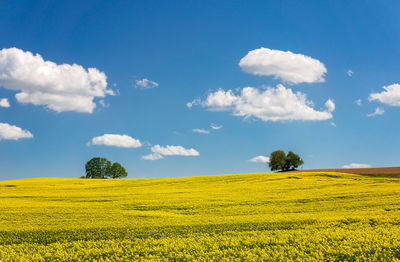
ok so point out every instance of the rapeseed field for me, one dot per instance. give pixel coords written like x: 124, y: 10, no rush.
x: 244, y: 217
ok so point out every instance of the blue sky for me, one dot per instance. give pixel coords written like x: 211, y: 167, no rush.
x: 269, y: 74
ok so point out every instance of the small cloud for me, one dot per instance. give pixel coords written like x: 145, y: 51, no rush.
x: 11, y: 132
x: 378, y: 111
x: 330, y: 105
x: 174, y: 151
x: 356, y: 165
x: 332, y: 124
x: 390, y: 96
x: 201, y: 131
x: 178, y: 133
x: 153, y: 156
x: 145, y: 84
x: 193, y: 103
x: 358, y: 102
x: 115, y: 140
x: 259, y: 159
x: 4, y: 102
x: 350, y: 73
x: 215, y: 127
x: 104, y: 104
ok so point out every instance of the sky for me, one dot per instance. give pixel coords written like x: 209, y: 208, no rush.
x: 189, y: 88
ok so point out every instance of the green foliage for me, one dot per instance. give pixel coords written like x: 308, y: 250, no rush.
x: 293, y: 161
x: 279, y: 161
x: 117, y: 171
x: 98, y: 167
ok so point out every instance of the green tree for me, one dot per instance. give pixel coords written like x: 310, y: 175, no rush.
x: 117, y: 171
x: 98, y: 167
x: 277, y: 160
x: 293, y: 161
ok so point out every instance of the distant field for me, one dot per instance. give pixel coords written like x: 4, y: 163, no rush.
x: 274, y: 217
x: 361, y: 171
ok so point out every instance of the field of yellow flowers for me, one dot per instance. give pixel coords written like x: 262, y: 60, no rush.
x: 278, y: 217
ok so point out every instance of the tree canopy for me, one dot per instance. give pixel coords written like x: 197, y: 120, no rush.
x: 278, y: 160
x: 100, y: 167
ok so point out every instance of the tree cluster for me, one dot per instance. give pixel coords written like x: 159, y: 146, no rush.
x: 100, y: 167
x: 278, y: 160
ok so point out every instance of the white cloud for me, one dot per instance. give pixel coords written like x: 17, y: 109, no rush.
x: 174, y: 151
x: 4, y: 102
x: 153, y: 156
x: 350, y: 72
x: 260, y: 159
x: 378, y: 111
x: 115, y: 140
x: 201, y: 131
x: 330, y: 105
x: 391, y: 95
x: 215, y: 127
x: 355, y: 165
x: 291, y: 68
x: 58, y: 87
x: 145, y: 84
x: 358, y: 102
x: 332, y: 124
x: 271, y: 104
x: 10, y: 132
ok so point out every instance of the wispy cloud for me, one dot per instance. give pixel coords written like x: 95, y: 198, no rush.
x: 145, y: 84
x: 378, y: 111
x: 201, y: 131
x: 215, y: 127
x: 356, y: 165
x: 350, y: 73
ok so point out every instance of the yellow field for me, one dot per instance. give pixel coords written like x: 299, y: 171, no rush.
x: 297, y: 216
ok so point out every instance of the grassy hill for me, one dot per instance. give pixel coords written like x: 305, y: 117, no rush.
x: 280, y: 216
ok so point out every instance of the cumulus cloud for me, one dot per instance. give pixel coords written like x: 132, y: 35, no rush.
x: 259, y: 159
x: 145, y: 84
x: 350, y: 73
x: 4, y: 102
x: 356, y: 165
x: 58, y: 87
x: 290, y: 67
x: 158, y: 152
x: 11, y: 132
x: 215, y: 127
x: 391, y: 95
x: 115, y: 140
x: 358, y: 102
x: 201, y: 131
x: 378, y: 111
x: 270, y: 104
x: 174, y: 151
